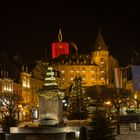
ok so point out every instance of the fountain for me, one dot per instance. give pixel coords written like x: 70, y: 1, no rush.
x: 50, y: 101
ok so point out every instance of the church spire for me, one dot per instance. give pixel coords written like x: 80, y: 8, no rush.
x: 100, y: 43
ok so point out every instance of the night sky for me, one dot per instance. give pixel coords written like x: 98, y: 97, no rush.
x: 28, y: 28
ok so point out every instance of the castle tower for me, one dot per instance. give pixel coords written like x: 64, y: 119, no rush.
x: 100, y: 56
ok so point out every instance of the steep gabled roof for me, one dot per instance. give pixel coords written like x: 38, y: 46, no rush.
x: 7, y: 65
x: 100, y: 43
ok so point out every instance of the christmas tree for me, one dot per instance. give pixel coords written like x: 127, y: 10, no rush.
x: 102, y: 128
x: 77, y: 105
x: 50, y: 85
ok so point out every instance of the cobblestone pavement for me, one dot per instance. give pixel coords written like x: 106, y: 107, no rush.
x: 126, y: 133
x: 130, y: 129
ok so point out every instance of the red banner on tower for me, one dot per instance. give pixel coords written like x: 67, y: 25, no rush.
x: 59, y: 48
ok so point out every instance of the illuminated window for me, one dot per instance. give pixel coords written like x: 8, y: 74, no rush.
x: 72, y: 76
x: 7, y: 86
x: 4, y: 87
x: 102, y: 71
x: 71, y: 79
x: 135, y: 96
x: 92, y: 69
x: 77, y: 69
x: 83, y: 69
x: 102, y: 61
x: 62, y: 70
x: 92, y: 77
x: 83, y: 77
x: 26, y: 82
x: 71, y: 69
x: 102, y: 78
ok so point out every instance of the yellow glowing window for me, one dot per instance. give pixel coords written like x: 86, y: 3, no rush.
x: 83, y: 69
x: 71, y: 78
x: 102, y: 71
x: 62, y: 71
x: 102, y: 78
x: 71, y: 69
x: 83, y: 77
x: 92, y: 69
x: 7, y: 86
x: 92, y: 77
x: 102, y: 62
x: 26, y: 82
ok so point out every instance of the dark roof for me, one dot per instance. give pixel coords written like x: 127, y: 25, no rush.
x: 6, y: 65
x: 11, y: 65
x: 77, y: 59
x: 100, y: 43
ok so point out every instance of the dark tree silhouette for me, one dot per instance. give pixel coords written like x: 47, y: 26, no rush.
x: 116, y: 96
x: 102, y: 127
